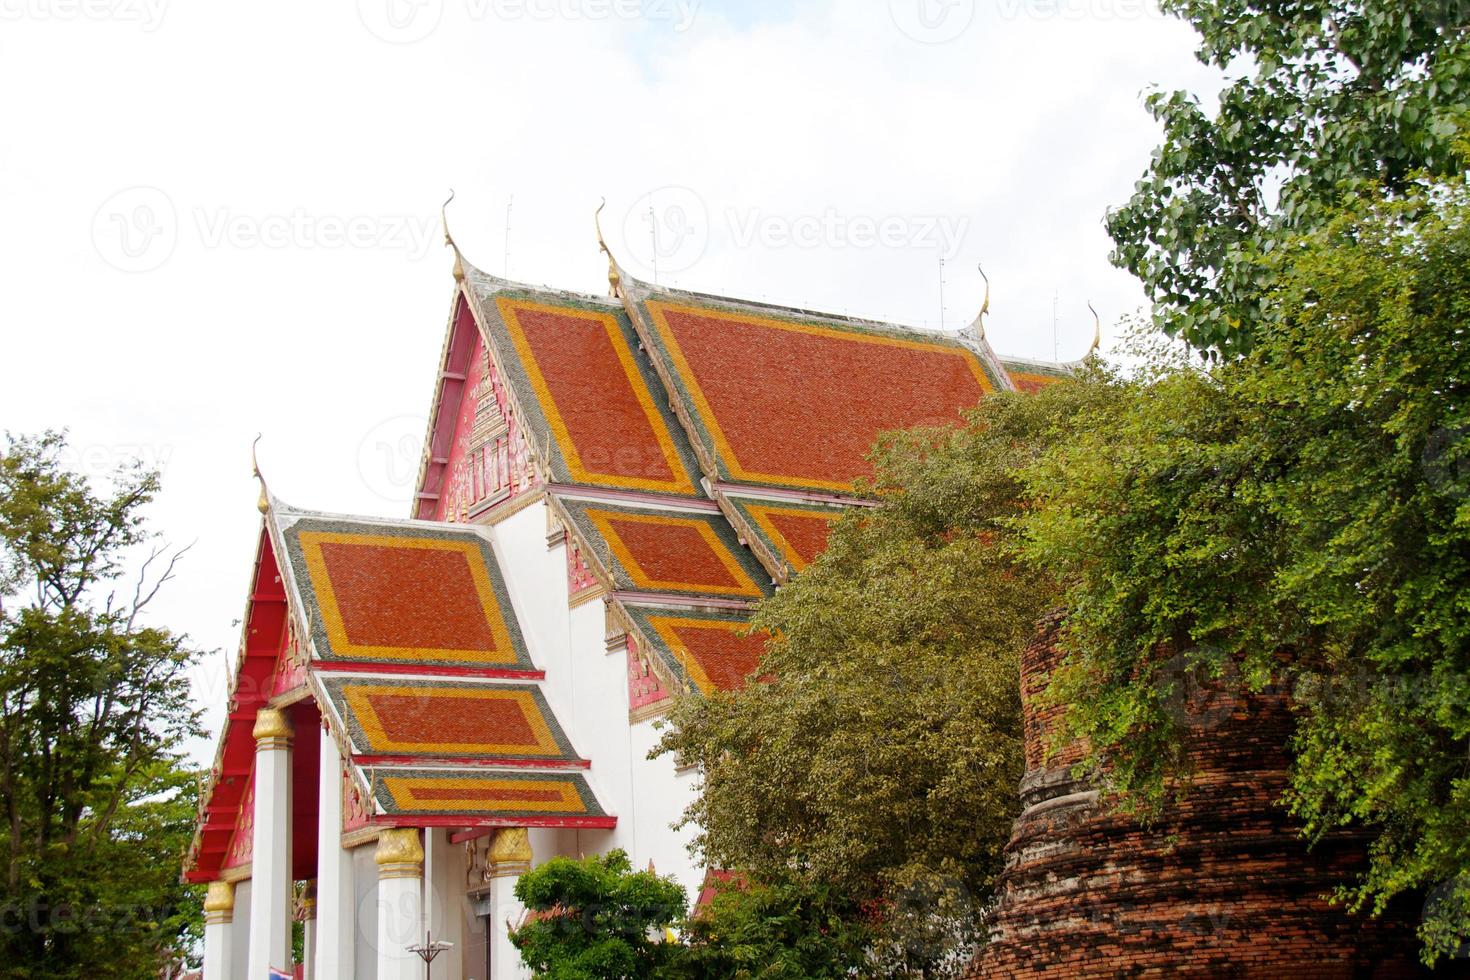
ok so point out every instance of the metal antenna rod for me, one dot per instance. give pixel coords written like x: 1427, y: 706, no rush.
x: 941, y: 290
x: 1055, y: 350
x: 653, y: 236
x: 505, y: 270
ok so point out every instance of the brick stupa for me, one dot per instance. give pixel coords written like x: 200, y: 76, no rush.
x: 1221, y: 886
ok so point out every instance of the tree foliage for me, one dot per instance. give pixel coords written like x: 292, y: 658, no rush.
x: 96, y: 805
x: 783, y: 931
x: 880, y: 752
x: 1325, y: 96
x: 1310, y: 500
x: 596, y: 919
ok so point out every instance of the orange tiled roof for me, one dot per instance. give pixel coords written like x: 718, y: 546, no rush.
x: 591, y: 401
x: 418, y: 660
x: 447, y: 719
x: 651, y: 549
x: 400, y: 593
x: 707, y: 649
x: 517, y: 799
x: 796, y: 400
x: 793, y: 532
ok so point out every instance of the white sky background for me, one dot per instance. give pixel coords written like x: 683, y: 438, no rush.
x: 177, y: 180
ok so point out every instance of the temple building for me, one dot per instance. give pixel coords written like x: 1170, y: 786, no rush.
x: 424, y: 709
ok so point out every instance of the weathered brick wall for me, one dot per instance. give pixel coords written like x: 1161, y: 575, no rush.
x: 1221, y: 886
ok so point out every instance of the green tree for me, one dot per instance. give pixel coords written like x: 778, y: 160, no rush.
x: 96, y: 802
x: 1323, y: 97
x: 880, y: 753
x: 595, y: 919
x: 1304, y: 512
x: 786, y: 931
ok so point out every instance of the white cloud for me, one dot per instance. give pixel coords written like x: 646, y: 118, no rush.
x: 281, y: 162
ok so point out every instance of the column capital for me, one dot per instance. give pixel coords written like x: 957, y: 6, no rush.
x: 219, y: 902
x: 399, y: 854
x: 272, y: 729
x: 510, y: 853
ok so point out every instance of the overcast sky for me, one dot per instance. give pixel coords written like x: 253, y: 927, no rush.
x: 222, y: 219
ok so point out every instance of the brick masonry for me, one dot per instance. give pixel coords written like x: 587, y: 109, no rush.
x: 1220, y: 886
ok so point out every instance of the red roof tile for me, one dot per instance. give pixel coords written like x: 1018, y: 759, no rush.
x: 798, y: 404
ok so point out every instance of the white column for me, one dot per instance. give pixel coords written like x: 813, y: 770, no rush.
x: 219, y: 912
x: 444, y: 889
x: 400, y: 859
x: 510, y: 857
x: 336, y: 903
x: 270, y: 862
x: 308, y: 931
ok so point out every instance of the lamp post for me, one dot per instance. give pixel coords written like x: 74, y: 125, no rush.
x: 429, y: 949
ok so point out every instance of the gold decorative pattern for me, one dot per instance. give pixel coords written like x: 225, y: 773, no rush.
x: 272, y: 729
x: 510, y: 853
x: 219, y: 903
x: 399, y: 854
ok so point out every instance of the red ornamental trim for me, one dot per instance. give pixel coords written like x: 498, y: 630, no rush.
x: 579, y: 576
x: 644, y: 687
x: 492, y: 465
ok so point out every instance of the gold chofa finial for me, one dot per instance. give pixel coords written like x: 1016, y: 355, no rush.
x: 614, y: 277
x: 263, y: 504
x: 984, y: 306
x: 1096, y: 330
x: 449, y: 239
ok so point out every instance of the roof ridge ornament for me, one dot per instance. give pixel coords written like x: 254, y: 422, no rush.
x: 449, y: 239
x: 984, y: 306
x: 614, y: 274
x: 1096, y: 332
x: 263, y: 503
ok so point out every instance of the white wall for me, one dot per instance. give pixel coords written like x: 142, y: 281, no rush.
x: 240, y: 933
x: 587, y: 687
x: 365, y: 880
